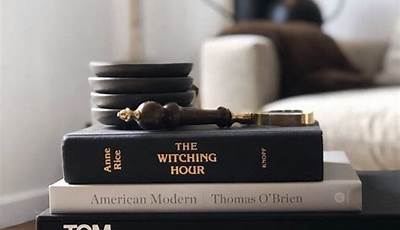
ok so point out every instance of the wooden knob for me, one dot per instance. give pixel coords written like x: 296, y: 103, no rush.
x: 151, y: 115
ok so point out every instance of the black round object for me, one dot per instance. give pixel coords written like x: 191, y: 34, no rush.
x: 109, y: 117
x: 278, y: 10
x: 134, y: 100
x: 294, y: 10
x: 140, y: 85
x: 118, y: 69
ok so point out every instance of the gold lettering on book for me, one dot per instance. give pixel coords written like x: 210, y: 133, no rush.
x: 117, y: 160
x: 112, y: 161
x: 183, y: 146
x: 107, y: 159
x: 183, y: 170
x: 264, y: 158
x: 186, y: 157
x: 182, y: 160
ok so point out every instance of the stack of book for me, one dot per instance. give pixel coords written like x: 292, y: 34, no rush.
x: 122, y: 179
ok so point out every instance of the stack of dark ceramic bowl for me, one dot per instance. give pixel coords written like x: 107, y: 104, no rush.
x: 120, y: 85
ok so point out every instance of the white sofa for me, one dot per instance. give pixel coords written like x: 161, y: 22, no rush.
x: 241, y: 72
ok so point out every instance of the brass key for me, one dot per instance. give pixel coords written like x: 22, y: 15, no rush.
x: 152, y: 115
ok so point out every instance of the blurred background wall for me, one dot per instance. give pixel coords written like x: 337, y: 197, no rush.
x: 361, y: 19
x: 174, y: 30
x: 45, y: 47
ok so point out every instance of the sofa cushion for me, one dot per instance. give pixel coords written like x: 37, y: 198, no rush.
x: 364, y: 123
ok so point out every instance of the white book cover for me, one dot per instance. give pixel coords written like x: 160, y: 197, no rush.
x: 339, y: 191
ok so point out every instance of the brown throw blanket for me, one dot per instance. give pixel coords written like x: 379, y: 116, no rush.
x: 310, y: 60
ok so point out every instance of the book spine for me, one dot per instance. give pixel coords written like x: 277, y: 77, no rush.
x: 237, y: 157
x: 232, y: 197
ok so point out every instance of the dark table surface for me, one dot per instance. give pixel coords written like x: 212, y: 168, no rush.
x: 381, y: 193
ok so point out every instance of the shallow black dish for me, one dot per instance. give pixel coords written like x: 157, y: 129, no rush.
x: 134, y: 100
x: 140, y: 85
x: 117, y: 69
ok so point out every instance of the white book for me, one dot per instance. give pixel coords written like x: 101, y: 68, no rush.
x: 339, y: 191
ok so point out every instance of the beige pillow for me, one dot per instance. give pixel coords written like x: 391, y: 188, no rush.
x: 391, y: 63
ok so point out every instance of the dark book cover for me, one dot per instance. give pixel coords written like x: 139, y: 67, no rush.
x: 202, y: 154
x: 201, y: 221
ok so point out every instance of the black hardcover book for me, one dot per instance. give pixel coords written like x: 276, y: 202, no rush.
x: 381, y: 210
x: 100, y: 155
